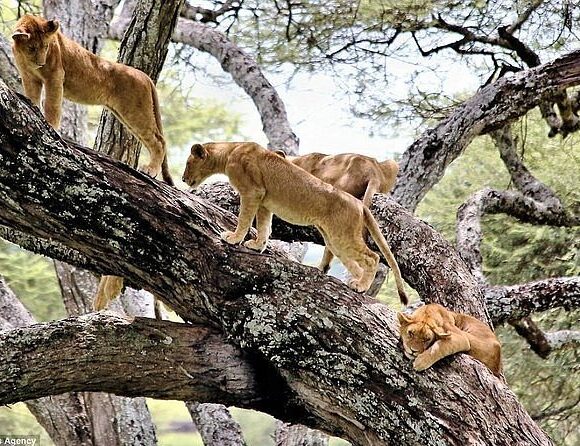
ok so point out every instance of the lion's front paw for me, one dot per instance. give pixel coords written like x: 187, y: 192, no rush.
x: 231, y: 237
x: 356, y: 285
x: 422, y: 362
x: 255, y: 245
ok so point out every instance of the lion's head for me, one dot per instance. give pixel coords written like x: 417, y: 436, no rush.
x: 32, y: 38
x: 199, y: 166
x: 421, y: 329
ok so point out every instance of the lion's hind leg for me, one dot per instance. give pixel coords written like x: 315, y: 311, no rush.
x: 109, y: 288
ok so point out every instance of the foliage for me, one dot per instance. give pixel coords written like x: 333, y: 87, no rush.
x: 33, y: 280
x: 17, y: 420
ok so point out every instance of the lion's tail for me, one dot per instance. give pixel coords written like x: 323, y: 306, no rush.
x: 164, y: 166
x: 377, y: 236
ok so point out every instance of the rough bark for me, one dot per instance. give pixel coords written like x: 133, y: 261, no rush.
x: 8, y: 71
x: 62, y: 416
x: 424, y: 162
x: 244, y: 71
x: 332, y: 354
x: 518, y: 301
x: 427, y: 261
x: 287, y: 435
x: 105, y: 352
x: 215, y: 424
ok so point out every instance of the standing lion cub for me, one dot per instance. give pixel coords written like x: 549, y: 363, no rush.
x: 359, y: 175
x: 433, y: 332
x: 47, y: 59
x: 269, y: 184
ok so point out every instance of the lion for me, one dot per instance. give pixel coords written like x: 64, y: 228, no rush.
x: 46, y: 59
x: 269, y: 184
x: 433, y: 332
x: 359, y: 175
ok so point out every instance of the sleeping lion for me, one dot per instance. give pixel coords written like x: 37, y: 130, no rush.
x: 433, y: 332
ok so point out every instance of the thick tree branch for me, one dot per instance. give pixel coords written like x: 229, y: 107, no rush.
x: 106, y: 353
x: 501, y: 102
x: 427, y: 261
x: 337, y: 351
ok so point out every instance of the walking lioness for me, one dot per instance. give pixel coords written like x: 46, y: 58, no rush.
x: 269, y: 184
x: 47, y: 59
x: 359, y: 175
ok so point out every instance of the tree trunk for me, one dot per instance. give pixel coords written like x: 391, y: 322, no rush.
x: 215, y: 424
x: 331, y: 356
x: 287, y: 435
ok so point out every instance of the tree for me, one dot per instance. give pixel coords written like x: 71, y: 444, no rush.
x: 264, y: 334
x: 287, y: 327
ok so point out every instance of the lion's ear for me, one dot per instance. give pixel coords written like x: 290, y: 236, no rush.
x: 20, y: 35
x: 51, y: 27
x: 404, y: 319
x: 440, y: 333
x: 198, y: 150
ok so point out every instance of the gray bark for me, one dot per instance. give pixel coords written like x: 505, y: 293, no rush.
x: 518, y: 301
x: 424, y: 162
x: 62, y: 416
x: 215, y: 424
x: 108, y: 353
x: 331, y: 358
x: 522, y: 178
x: 287, y: 435
x: 8, y: 71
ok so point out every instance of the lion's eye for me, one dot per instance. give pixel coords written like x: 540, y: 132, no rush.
x: 411, y: 334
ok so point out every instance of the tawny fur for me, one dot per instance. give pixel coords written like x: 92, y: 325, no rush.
x: 269, y: 184
x: 46, y: 59
x: 109, y: 288
x: 359, y: 175
x: 433, y: 332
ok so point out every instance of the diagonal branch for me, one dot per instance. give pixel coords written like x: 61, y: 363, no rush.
x: 522, y: 178
x: 425, y: 161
